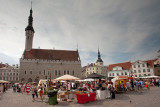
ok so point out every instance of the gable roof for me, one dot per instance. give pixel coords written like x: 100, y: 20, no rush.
x: 124, y: 65
x: 47, y: 54
x: 149, y: 63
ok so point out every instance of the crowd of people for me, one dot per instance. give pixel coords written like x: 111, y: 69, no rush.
x: 28, y: 88
x: 138, y: 84
x: 130, y: 85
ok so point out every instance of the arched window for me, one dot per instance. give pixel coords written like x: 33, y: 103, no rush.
x: 64, y: 72
x: 56, y: 72
x: 44, y: 72
x: 59, y: 72
x: 68, y: 72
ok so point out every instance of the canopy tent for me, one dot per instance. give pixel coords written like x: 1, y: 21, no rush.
x: 66, y: 78
x: 88, y: 79
x: 3, y: 81
x: 95, y: 76
x: 44, y: 81
x: 80, y: 80
x: 152, y: 76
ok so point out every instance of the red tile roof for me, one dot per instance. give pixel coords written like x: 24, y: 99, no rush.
x: 47, y: 54
x: 150, y: 62
x: 124, y: 65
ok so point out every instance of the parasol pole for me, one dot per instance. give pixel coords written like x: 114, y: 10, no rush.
x: 50, y: 81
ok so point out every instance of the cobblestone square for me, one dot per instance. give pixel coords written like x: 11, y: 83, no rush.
x: 147, y: 98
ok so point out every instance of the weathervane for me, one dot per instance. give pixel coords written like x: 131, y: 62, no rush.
x: 31, y: 4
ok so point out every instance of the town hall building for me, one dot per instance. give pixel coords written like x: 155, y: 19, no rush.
x: 36, y: 64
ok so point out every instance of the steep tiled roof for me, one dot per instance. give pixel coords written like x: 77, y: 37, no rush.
x: 124, y: 65
x: 47, y: 54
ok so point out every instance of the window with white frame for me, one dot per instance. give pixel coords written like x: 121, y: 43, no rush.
x: 117, y: 74
x: 143, y: 65
x: 121, y: 73
x: 139, y: 71
x: 112, y: 74
x: 144, y: 70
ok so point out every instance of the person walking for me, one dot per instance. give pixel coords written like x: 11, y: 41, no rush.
x: 139, y: 86
x: 22, y: 88
x: 36, y: 91
x: 122, y: 87
x: 148, y: 85
x: 135, y: 85
x: 157, y: 81
x: 33, y: 88
x: 28, y: 89
x: 14, y: 87
x: 40, y: 90
x: 153, y: 82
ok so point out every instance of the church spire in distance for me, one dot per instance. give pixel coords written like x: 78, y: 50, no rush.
x: 30, y: 21
x: 99, y: 56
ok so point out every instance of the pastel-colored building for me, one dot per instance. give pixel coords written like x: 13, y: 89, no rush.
x: 9, y: 72
x: 143, y: 68
x: 119, y: 69
x: 97, y: 67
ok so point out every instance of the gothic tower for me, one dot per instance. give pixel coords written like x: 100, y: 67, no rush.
x: 29, y: 32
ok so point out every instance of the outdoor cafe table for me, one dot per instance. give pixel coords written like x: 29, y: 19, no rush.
x: 83, y: 98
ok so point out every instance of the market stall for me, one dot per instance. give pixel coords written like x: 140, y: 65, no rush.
x: 68, y: 94
x: 85, y: 97
x: 100, y: 93
x: 117, y: 82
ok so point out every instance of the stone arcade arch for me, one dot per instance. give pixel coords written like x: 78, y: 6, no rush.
x: 22, y: 80
x: 36, y: 80
x: 29, y: 80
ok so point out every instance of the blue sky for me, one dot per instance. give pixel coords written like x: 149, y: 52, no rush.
x: 124, y: 30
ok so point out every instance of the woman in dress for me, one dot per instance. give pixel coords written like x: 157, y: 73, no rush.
x: 28, y: 89
x: 40, y: 90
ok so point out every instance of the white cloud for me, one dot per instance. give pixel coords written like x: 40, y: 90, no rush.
x: 116, y: 27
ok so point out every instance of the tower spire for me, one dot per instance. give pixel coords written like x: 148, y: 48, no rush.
x: 99, y: 56
x: 30, y: 21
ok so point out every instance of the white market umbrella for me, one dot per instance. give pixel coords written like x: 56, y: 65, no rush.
x: 66, y: 77
x: 80, y: 80
x: 152, y: 77
x: 88, y: 79
x: 2, y: 81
